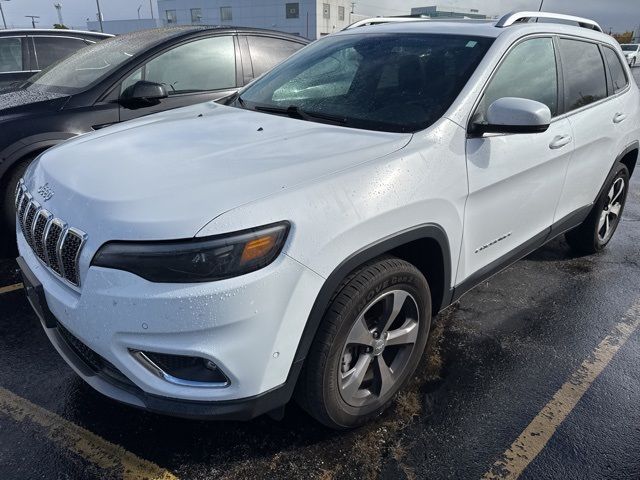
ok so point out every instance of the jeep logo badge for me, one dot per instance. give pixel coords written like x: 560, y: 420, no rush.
x: 46, y: 192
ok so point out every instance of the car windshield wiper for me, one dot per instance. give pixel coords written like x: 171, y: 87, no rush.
x: 296, y: 112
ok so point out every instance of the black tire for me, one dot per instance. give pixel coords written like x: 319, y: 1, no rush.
x: 9, y: 185
x: 589, y: 237
x: 319, y: 391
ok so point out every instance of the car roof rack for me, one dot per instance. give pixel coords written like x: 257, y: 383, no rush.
x: 378, y: 20
x: 522, y: 17
x: 401, y: 19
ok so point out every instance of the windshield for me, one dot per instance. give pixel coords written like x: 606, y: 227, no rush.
x: 629, y: 48
x: 387, y: 82
x: 90, y: 64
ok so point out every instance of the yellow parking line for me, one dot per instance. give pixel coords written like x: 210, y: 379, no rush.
x: 11, y: 288
x: 538, y: 433
x: 80, y: 441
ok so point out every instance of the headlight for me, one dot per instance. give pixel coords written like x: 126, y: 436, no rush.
x: 198, y: 259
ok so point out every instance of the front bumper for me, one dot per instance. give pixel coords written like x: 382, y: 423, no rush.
x: 247, y: 325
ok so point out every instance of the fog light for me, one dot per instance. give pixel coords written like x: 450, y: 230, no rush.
x: 183, y: 370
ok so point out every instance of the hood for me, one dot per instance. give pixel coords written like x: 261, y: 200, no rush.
x: 167, y: 175
x: 30, y: 100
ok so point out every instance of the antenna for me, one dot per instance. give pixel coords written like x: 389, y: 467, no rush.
x: 541, y: 5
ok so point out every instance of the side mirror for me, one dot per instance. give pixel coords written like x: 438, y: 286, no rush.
x: 143, y: 93
x: 515, y: 115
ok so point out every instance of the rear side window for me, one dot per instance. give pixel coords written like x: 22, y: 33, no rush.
x: 10, y: 55
x: 529, y: 71
x: 51, y: 49
x: 267, y: 52
x: 618, y: 75
x: 584, y: 73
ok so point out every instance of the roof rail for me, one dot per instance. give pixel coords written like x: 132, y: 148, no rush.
x: 379, y: 20
x: 519, y: 17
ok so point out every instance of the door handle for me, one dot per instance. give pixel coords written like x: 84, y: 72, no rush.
x: 560, y: 141
x: 619, y: 117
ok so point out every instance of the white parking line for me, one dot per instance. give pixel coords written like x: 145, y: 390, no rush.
x: 536, y: 436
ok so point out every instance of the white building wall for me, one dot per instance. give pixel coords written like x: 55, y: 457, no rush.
x: 269, y: 14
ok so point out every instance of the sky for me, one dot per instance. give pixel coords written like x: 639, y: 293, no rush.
x: 617, y: 15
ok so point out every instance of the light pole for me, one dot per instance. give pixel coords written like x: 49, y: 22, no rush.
x: 100, y: 16
x: 151, y: 8
x: 58, y: 8
x: 4, y: 21
x: 33, y: 19
x: 139, y: 7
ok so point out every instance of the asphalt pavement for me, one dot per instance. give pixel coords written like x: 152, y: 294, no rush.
x: 534, y: 374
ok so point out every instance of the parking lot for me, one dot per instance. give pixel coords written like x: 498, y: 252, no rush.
x: 534, y: 374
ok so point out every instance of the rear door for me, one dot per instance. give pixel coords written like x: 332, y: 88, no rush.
x: 193, y: 72
x: 515, y: 180
x: 264, y: 53
x: 597, y: 115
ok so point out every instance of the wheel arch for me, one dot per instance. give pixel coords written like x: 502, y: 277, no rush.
x: 425, y: 246
x: 629, y: 157
x: 23, y: 149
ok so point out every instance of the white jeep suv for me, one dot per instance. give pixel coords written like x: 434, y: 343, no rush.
x: 632, y: 52
x: 217, y: 260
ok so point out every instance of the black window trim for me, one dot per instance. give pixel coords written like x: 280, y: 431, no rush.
x: 559, y: 76
x: 608, y: 97
x: 560, y: 68
x: 604, y: 46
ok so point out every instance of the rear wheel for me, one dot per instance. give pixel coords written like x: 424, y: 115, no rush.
x: 369, y: 343
x: 597, y: 230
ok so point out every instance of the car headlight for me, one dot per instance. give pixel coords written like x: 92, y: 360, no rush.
x: 198, y: 259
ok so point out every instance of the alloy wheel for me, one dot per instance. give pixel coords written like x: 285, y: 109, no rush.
x: 378, y: 348
x: 610, y: 216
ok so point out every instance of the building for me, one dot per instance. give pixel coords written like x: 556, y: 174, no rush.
x: 307, y: 18
x: 118, y: 27
x: 439, y: 11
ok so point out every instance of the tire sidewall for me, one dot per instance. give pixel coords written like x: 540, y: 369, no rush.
x: 340, y: 412
x: 620, y: 171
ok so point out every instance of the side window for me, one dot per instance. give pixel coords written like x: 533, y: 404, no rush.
x: 584, y: 74
x: 199, y: 66
x: 618, y: 75
x: 529, y: 71
x: 10, y: 55
x: 49, y: 50
x: 267, y: 52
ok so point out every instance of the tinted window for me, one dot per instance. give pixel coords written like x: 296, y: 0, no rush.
x: 267, y: 52
x: 396, y: 83
x: 529, y: 71
x: 630, y: 48
x: 584, y: 73
x: 51, y: 49
x: 10, y: 54
x: 203, y: 65
x: 618, y: 75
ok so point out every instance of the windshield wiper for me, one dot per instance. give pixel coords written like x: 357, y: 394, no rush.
x: 296, y: 112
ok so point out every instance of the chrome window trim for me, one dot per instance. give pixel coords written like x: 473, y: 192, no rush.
x: 152, y: 367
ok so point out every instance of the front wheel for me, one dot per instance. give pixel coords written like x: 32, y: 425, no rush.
x: 369, y: 343
x: 597, y: 230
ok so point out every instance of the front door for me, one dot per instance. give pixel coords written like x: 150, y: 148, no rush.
x: 515, y: 180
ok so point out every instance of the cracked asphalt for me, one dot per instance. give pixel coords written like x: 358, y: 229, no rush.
x: 494, y: 361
